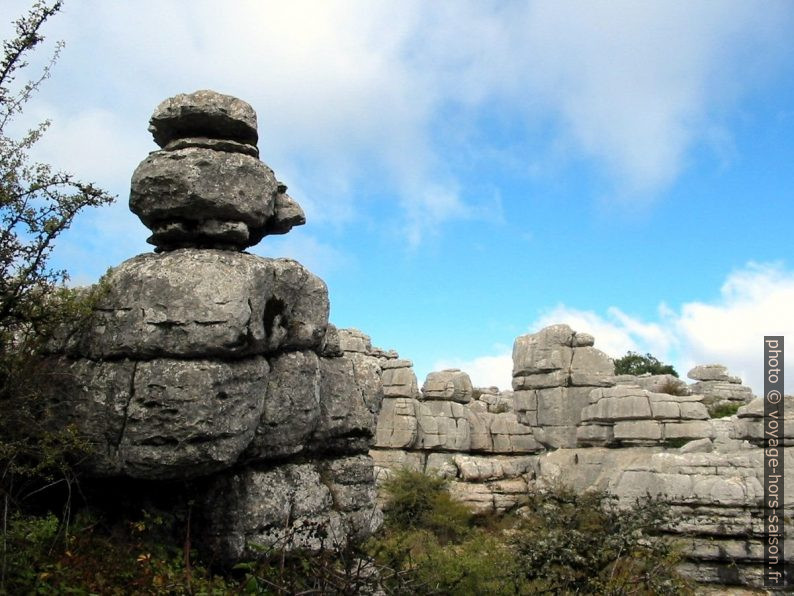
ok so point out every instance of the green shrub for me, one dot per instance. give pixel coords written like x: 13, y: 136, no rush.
x: 671, y: 387
x: 416, y: 500
x: 724, y: 410
x: 139, y: 556
x: 573, y: 542
x: 637, y: 364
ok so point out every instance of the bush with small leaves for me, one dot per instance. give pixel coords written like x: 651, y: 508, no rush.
x: 583, y: 542
x: 723, y: 410
x: 637, y: 364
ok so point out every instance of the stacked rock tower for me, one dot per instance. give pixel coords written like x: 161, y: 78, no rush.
x: 209, y: 364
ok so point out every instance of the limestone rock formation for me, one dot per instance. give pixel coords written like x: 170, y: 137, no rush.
x: 570, y: 421
x: 204, y: 363
x: 718, y: 387
x: 629, y: 415
x: 554, y: 371
x: 748, y: 424
x: 207, y: 188
x: 656, y: 383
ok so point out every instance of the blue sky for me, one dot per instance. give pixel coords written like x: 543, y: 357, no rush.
x: 473, y: 171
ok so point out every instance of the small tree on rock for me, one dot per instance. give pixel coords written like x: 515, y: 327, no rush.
x: 637, y: 364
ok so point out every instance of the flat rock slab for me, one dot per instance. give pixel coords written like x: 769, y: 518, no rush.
x: 203, y: 113
x: 195, y: 303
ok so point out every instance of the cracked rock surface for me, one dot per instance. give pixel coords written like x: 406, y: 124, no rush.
x: 206, y: 370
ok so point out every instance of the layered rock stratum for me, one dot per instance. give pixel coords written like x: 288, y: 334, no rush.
x: 570, y: 420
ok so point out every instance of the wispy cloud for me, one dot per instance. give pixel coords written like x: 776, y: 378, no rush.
x: 493, y: 370
x: 348, y: 89
x: 754, y: 301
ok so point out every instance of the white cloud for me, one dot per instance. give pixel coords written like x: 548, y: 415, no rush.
x: 755, y: 301
x: 346, y: 90
x: 485, y: 371
x: 616, y: 333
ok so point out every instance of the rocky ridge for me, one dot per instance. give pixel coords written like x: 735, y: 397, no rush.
x: 569, y: 419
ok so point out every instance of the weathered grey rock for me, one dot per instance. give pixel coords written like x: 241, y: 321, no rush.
x: 599, y: 435
x: 486, y: 468
x: 203, y: 113
x: 543, y: 352
x: 640, y: 417
x: 451, y: 384
x: 552, y: 410
x: 497, y: 403
x: 186, y: 196
x: 510, y: 436
x: 556, y: 437
x: 388, y: 460
x: 638, y: 431
x: 353, y: 340
x: 591, y: 368
x: 497, y: 496
x: 525, y: 404
x: 588, y: 468
x: 451, y: 421
x: 748, y: 425
x: 617, y: 404
x: 350, y: 397
x: 582, y: 340
x: 214, y: 144
x: 287, y: 214
x: 397, y: 425
x: 479, y: 427
x: 716, y: 392
x: 291, y: 410
x: 557, y: 378
x: 199, y: 303
x: 712, y: 372
x: 163, y: 418
x: 330, y: 347
x: 714, y: 479
x: 698, y: 446
x: 206, y: 364
x: 318, y: 505
x: 655, y: 383
x: 399, y: 379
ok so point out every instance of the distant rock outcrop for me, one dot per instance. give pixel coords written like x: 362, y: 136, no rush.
x: 570, y: 420
x: 718, y: 387
x: 205, y: 363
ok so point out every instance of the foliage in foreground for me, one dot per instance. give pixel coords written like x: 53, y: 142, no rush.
x: 571, y: 542
x: 637, y: 364
x: 37, y: 204
x: 562, y: 543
